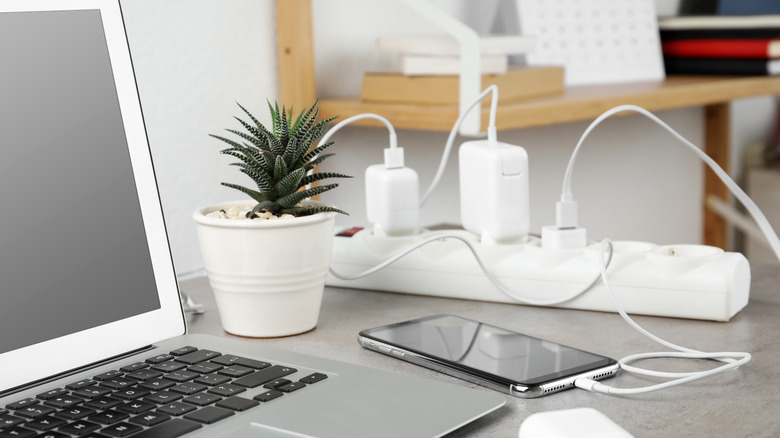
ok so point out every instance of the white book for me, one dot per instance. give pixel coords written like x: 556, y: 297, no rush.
x: 442, y: 45
x: 418, y: 65
x: 719, y: 22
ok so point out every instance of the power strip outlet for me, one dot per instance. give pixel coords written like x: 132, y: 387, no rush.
x: 682, y: 281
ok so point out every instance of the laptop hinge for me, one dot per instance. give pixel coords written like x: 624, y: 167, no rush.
x: 73, y: 371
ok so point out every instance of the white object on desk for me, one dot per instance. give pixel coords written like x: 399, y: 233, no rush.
x: 597, y: 41
x: 571, y: 423
x: 680, y: 281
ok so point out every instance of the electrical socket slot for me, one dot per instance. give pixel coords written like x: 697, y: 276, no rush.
x: 710, y: 284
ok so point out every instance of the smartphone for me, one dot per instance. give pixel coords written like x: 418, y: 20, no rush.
x: 500, y: 359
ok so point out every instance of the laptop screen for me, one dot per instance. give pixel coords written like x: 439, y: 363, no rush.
x: 84, y: 260
x: 74, y: 254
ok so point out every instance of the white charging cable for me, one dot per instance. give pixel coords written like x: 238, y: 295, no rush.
x: 732, y: 359
x: 495, y: 281
x: 567, y: 197
x: 491, y: 133
x: 347, y: 121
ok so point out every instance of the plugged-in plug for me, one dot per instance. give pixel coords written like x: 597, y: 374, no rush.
x: 494, y: 192
x: 565, y: 234
x: 393, y: 196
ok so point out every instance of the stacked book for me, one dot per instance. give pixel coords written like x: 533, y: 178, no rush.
x: 429, y: 69
x: 721, y: 44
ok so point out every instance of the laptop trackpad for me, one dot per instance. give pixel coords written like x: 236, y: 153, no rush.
x: 253, y: 430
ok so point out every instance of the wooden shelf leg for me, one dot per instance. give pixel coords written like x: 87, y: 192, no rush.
x: 717, y: 137
x: 297, y: 84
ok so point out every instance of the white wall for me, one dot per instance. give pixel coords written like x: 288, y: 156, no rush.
x: 195, y: 58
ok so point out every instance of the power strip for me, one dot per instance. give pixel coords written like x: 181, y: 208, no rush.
x: 682, y: 281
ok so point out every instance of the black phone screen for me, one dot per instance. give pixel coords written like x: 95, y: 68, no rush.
x: 467, y: 344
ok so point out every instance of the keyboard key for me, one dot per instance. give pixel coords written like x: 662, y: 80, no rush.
x: 45, y: 423
x: 205, y: 367
x: 150, y: 419
x: 176, y: 408
x: 183, y: 350
x: 268, y: 395
x: 108, y: 375
x: 197, y: 357
x: 80, y: 384
x: 80, y: 427
x: 17, y: 432
x: 230, y: 359
x: 7, y: 421
x: 237, y: 403
x: 235, y: 371
x: 63, y: 401
x: 108, y: 417
x: 290, y: 387
x: 314, y: 378
x: 181, y: 376
x: 35, y: 411
x: 51, y: 394
x: 168, y: 367
x: 134, y: 367
x: 118, y: 383
x: 131, y: 393
x: 92, y: 392
x: 144, y: 374
x: 264, y: 376
x: 136, y: 407
x: 276, y: 383
x: 159, y: 358
x: 75, y: 413
x: 202, y: 399
x: 209, y: 415
x: 157, y: 384
x: 22, y: 403
x: 103, y: 403
x: 169, y: 429
x: 121, y: 429
x: 163, y: 397
x: 227, y: 390
x: 213, y: 379
x: 53, y: 434
x: 189, y: 388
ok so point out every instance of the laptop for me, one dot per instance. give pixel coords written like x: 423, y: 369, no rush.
x: 93, y: 340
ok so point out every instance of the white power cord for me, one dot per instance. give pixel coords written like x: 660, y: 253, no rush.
x: 732, y: 359
x: 491, y: 131
x: 347, y: 121
x: 752, y: 208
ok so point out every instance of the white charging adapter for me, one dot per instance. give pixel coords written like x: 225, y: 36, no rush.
x: 494, y: 189
x: 393, y: 196
x: 392, y: 190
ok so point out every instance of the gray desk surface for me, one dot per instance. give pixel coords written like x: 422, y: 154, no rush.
x: 744, y: 402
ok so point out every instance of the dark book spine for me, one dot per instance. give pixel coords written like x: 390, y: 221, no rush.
x: 737, y: 33
x: 716, y: 66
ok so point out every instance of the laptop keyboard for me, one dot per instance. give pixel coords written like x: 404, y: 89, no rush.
x: 165, y: 396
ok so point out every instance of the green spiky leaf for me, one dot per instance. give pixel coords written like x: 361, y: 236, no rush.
x: 279, y: 160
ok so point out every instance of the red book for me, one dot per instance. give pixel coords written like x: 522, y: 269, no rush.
x: 758, y: 48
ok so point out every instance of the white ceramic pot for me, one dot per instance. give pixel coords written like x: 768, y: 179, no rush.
x: 267, y: 275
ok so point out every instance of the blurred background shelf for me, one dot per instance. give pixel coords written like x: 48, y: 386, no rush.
x: 297, y: 81
x: 576, y: 104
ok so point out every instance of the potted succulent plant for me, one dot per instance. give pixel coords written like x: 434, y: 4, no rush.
x: 267, y: 257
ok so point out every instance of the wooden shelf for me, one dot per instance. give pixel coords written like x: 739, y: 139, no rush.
x: 576, y: 104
